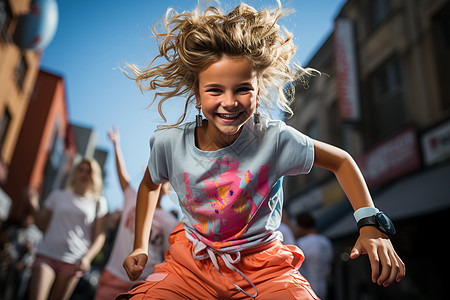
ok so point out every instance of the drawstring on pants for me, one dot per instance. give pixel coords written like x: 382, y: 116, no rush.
x: 227, y: 259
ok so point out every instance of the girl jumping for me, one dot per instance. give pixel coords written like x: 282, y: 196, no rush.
x: 227, y: 167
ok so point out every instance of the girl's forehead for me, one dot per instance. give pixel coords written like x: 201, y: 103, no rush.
x: 85, y: 166
x: 227, y: 68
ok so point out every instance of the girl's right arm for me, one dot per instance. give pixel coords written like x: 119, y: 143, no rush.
x: 41, y: 218
x: 147, y: 198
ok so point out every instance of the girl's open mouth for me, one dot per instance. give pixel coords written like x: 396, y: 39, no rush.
x: 229, y: 116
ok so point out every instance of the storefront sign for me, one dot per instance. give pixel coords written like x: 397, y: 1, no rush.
x: 346, y: 70
x: 391, y: 159
x: 436, y: 144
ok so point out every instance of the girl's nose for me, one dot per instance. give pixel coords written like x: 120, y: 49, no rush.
x: 229, y: 100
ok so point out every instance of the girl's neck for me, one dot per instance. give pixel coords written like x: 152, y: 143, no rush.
x: 210, y: 139
x: 80, y: 190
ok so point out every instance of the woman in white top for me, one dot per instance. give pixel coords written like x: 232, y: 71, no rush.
x: 114, y: 280
x: 72, y: 221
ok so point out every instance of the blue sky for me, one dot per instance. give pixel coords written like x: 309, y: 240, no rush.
x: 95, y: 38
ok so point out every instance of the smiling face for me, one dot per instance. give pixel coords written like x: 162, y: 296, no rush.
x: 228, y: 91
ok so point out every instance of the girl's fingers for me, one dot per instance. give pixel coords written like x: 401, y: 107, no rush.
x: 374, y: 263
x: 393, y: 268
x: 385, y: 264
x: 134, y: 265
x: 402, y: 269
x: 394, y: 272
x: 386, y: 267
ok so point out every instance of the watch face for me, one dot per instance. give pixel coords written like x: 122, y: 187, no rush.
x: 385, y: 223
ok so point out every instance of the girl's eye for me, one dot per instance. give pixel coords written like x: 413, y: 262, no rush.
x: 214, y: 91
x: 243, y: 89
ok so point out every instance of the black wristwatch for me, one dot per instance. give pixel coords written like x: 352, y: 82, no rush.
x: 381, y: 221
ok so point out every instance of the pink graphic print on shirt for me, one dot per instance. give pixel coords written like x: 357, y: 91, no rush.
x: 225, y: 207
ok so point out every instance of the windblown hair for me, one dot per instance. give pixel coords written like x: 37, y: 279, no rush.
x: 191, y: 41
x: 96, y: 186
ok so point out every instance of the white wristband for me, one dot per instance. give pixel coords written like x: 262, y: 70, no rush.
x: 365, y: 212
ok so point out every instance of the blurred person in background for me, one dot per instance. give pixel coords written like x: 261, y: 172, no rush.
x: 286, y: 229
x: 25, y: 239
x: 72, y: 221
x: 318, y: 252
x: 8, y: 259
x: 114, y: 279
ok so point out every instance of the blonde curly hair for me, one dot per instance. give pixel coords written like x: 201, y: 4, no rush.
x: 191, y: 41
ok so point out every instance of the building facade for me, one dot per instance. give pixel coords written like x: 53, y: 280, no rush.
x: 46, y: 144
x: 18, y: 71
x: 384, y: 97
x: 38, y: 146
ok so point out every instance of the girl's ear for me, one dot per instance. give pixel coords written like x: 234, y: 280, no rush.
x: 198, y: 100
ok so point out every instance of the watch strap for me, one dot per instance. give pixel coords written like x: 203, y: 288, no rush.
x: 365, y: 212
x: 388, y: 228
x: 369, y: 221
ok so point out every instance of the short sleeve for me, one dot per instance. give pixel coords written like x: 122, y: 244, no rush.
x: 52, y: 199
x: 295, y: 152
x: 102, y: 207
x: 157, y: 163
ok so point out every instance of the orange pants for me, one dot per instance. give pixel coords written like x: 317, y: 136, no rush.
x: 272, y: 268
x: 110, y: 286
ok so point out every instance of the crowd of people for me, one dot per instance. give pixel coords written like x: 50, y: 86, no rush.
x: 18, y: 246
x: 17, y: 253
x: 46, y: 255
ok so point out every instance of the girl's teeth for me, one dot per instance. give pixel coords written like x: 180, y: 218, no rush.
x: 229, y: 116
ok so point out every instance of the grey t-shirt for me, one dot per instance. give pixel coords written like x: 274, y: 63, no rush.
x: 231, y: 198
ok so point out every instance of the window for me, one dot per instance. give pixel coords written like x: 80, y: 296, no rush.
x: 4, y: 125
x: 21, y: 71
x: 445, y: 24
x: 5, y: 19
x: 335, y: 125
x: 56, y: 158
x: 441, y: 35
x: 380, y: 10
x: 386, y: 82
x: 386, y: 109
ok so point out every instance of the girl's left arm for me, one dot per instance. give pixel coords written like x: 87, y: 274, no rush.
x: 371, y: 241
x: 97, y: 244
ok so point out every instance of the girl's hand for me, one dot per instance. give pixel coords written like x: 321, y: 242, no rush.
x: 85, y: 264
x: 379, y: 248
x: 134, y: 264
